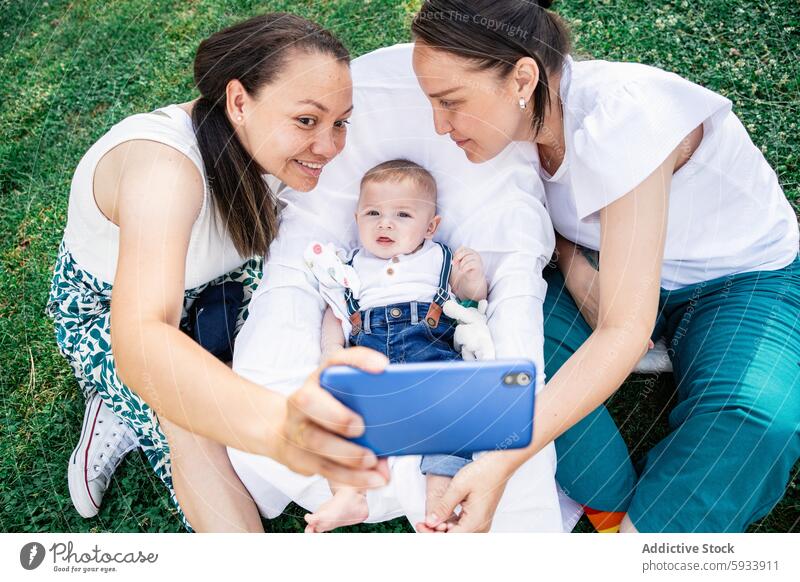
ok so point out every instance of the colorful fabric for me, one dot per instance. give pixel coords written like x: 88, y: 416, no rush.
x: 80, y: 305
x: 604, y: 521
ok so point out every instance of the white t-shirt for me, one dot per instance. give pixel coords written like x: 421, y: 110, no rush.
x: 727, y: 212
x: 401, y: 279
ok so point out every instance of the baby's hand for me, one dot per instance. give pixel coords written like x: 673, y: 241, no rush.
x: 468, y: 279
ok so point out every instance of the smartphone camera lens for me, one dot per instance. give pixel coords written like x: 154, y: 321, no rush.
x: 520, y: 379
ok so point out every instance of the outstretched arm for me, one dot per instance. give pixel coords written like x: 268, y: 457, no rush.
x: 627, y: 286
x: 160, y: 195
x: 632, y: 244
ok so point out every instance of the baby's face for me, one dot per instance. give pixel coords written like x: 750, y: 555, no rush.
x: 394, y: 218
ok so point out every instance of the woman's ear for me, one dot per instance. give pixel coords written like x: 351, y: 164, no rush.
x: 525, y: 77
x: 432, y: 226
x: 236, y: 98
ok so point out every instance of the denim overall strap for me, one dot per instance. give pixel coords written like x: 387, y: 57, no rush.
x: 353, y: 308
x: 435, y: 309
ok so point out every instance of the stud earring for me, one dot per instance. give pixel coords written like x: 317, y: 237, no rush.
x: 522, y: 103
x: 239, y: 118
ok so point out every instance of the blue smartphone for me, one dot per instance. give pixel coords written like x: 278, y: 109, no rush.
x: 439, y: 407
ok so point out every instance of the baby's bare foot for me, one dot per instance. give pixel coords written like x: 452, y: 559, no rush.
x: 435, y: 486
x: 346, y: 507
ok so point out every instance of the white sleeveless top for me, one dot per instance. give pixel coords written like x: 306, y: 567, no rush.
x: 727, y: 211
x: 401, y: 279
x: 93, y: 240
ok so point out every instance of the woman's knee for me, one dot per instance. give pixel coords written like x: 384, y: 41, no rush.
x: 207, y: 488
x: 771, y: 425
x: 188, y: 450
x: 781, y: 434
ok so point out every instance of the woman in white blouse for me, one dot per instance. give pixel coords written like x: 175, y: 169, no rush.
x: 697, y: 244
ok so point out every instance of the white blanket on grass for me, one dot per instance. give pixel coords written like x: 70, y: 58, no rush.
x: 496, y: 208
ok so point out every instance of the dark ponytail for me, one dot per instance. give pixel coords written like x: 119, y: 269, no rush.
x: 495, y: 35
x: 254, y: 52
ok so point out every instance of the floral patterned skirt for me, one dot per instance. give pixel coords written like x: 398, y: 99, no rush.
x: 80, y: 305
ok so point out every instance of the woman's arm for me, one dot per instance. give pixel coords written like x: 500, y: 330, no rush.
x: 160, y: 193
x: 172, y: 373
x: 632, y: 242
x: 633, y: 233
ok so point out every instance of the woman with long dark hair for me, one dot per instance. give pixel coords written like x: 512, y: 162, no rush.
x: 170, y: 214
x: 697, y: 244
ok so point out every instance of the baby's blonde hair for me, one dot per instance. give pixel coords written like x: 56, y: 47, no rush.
x: 399, y: 170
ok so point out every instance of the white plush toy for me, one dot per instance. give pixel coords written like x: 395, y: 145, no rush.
x: 472, y: 337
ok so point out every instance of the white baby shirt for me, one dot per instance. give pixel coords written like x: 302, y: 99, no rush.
x: 401, y: 279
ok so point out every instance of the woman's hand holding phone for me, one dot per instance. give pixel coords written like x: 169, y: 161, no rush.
x: 312, y: 436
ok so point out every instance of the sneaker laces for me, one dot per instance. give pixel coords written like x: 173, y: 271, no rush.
x: 113, y: 449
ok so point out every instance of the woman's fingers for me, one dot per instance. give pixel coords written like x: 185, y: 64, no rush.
x: 312, y: 405
x: 446, y: 505
x: 325, y: 410
x: 307, y: 463
x: 383, y: 468
x: 359, y: 357
x: 336, y: 449
x: 315, y: 418
x: 363, y: 479
x: 471, y: 523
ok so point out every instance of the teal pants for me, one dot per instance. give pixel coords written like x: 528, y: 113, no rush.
x: 734, y: 343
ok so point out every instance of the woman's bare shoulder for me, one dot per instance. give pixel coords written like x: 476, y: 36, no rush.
x: 145, y: 169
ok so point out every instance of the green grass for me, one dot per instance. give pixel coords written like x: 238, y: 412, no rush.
x: 70, y: 69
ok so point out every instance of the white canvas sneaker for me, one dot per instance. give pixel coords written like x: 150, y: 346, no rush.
x: 105, y: 440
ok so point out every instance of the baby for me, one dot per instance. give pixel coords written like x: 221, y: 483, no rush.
x: 405, y: 278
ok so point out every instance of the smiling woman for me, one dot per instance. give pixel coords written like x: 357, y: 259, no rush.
x: 170, y: 215
x: 257, y: 90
